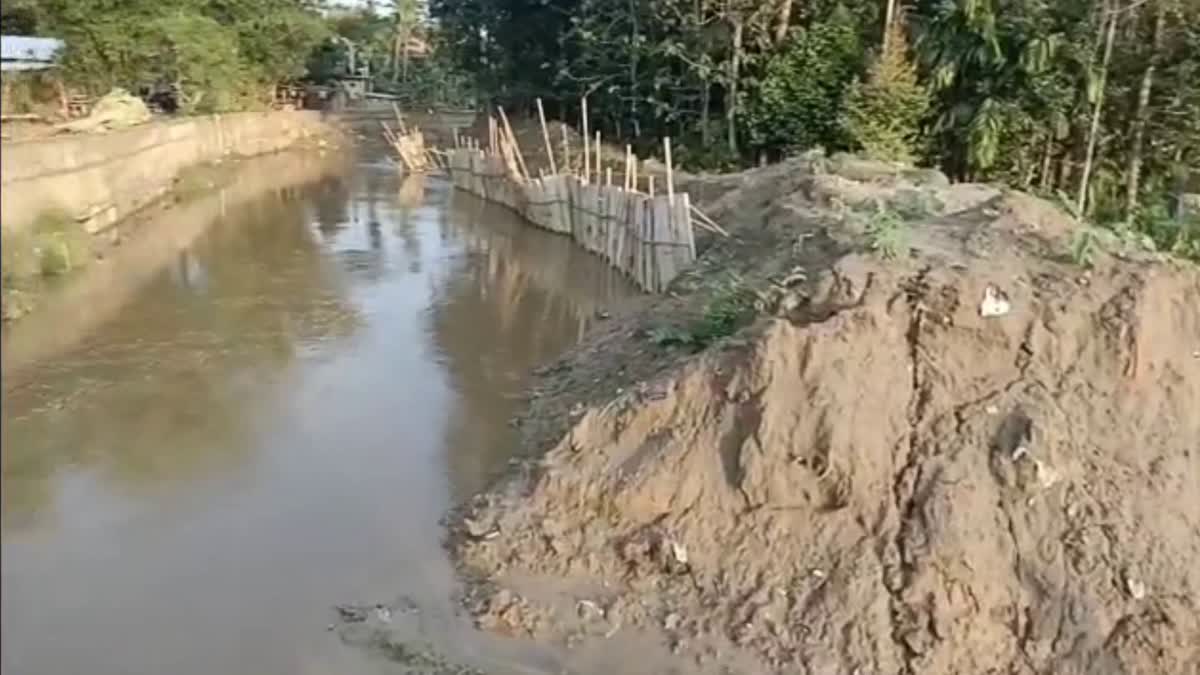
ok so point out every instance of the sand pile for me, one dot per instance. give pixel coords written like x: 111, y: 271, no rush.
x: 977, y: 458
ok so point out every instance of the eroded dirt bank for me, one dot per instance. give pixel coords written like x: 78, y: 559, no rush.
x: 881, y: 472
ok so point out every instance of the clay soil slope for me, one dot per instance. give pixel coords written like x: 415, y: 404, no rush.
x: 980, y: 455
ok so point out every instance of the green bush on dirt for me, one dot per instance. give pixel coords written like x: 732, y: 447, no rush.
x: 729, y: 308
x: 887, y: 233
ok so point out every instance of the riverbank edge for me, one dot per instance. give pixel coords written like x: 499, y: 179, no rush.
x: 604, y: 454
x: 68, y: 196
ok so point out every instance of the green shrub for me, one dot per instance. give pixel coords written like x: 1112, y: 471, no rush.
x: 887, y: 233
x: 796, y: 105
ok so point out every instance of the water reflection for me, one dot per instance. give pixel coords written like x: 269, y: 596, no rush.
x: 271, y: 421
x: 519, y: 299
x: 158, y: 394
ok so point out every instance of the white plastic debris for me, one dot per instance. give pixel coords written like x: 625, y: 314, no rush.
x: 1136, y: 587
x: 995, y: 303
x: 1047, y: 476
x: 680, y: 552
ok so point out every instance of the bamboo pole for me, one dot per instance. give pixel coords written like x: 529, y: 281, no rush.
x: 633, y: 170
x: 651, y: 179
x: 608, y: 176
x: 546, y: 137
x: 628, y: 154
x: 515, y: 146
x: 566, y: 147
x: 587, y: 155
x: 670, y: 171
x: 707, y: 222
x: 598, y: 154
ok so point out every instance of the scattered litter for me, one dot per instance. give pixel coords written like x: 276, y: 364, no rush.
x: 992, y: 410
x: 1047, y: 476
x: 1136, y: 587
x: 672, y: 621
x: 818, y: 573
x: 679, y: 552
x: 1020, y: 451
x: 479, y: 530
x: 995, y: 303
x: 588, y: 610
x: 383, y: 614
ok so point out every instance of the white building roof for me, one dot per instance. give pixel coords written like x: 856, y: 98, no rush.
x: 19, y: 52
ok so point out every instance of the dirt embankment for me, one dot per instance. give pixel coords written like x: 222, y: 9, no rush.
x: 978, y: 456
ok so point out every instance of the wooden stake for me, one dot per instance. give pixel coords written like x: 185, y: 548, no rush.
x: 628, y: 154
x: 670, y: 171
x: 587, y: 155
x: 546, y: 137
x: 651, y: 179
x: 516, y: 148
x: 633, y: 177
x: 566, y: 150
x: 608, y: 176
x: 597, y: 155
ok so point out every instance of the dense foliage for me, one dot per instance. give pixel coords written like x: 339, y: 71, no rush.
x: 219, y: 54
x: 1091, y: 100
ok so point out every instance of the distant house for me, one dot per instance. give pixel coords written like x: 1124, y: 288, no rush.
x: 19, y: 52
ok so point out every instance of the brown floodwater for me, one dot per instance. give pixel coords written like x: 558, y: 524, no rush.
x: 259, y: 407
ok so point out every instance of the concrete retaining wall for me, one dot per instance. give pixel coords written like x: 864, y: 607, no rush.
x: 101, y: 178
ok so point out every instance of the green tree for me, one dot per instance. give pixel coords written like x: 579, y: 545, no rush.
x: 798, y: 102
x: 883, y: 114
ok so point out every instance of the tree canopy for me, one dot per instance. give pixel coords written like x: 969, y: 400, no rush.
x: 220, y: 54
x: 1092, y: 100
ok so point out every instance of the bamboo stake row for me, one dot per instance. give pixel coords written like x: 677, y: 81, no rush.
x: 646, y: 236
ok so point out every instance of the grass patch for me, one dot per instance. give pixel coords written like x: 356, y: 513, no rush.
x: 59, y: 243
x: 887, y: 233
x: 730, y: 307
x: 52, y: 246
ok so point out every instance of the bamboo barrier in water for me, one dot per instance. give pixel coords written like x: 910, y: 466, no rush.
x: 647, y: 237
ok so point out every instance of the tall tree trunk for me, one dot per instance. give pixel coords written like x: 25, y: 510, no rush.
x: 735, y: 66
x: 889, y: 15
x: 634, y: 29
x: 783, y: 21
x: 1047, y: 160
x: 1090, y: 156
x: 1133, y: 173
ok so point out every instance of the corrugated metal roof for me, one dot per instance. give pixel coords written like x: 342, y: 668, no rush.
x: 32, y: 50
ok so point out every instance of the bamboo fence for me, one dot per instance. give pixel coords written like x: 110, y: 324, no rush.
x: 647, y: 237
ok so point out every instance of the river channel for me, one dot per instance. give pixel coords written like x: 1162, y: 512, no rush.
x: 259, y: 407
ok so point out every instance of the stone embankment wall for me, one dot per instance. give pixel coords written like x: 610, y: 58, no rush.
x: 99, y: 179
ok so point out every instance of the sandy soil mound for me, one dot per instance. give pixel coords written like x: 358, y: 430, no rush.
x: 978, y: 458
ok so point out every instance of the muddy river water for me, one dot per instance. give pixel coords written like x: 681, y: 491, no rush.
x: 260, y: 407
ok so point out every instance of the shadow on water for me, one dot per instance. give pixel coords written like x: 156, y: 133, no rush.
x: 259, y: 407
